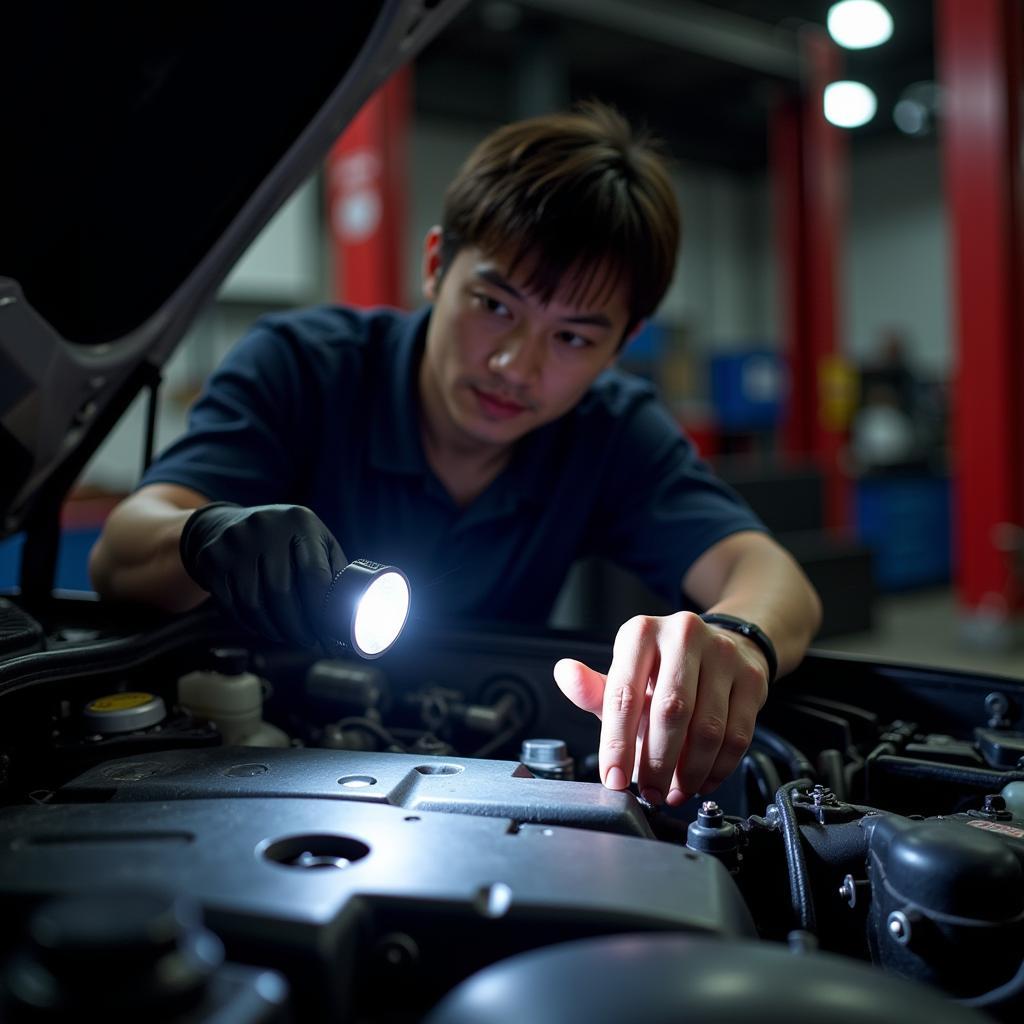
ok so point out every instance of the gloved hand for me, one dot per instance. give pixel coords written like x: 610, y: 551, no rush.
x: 268, y: 565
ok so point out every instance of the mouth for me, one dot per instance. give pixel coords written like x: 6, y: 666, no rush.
x: 496, y: 406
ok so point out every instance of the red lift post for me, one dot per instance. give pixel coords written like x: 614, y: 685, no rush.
x: 979, y: 50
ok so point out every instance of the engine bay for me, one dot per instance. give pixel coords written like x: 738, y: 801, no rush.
x: 407, y: 838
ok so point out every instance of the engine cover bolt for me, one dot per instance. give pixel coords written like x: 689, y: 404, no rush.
x: 899, y: 927
x: 997, y: 705
x: 994, y: 803
x: 822, y: 795
x: 848, y: 890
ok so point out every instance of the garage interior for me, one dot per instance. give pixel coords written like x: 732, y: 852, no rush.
x: 269, y: 831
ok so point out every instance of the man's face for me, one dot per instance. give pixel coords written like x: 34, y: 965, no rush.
x: 498, y: 362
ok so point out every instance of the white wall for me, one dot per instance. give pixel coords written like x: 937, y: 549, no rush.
x: 436, y: 150
x: 717, y: 287
x: 897, y: 254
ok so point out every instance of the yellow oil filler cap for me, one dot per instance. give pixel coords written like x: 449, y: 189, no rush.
x: 123, y: 712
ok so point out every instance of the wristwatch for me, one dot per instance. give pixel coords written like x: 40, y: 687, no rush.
x: 752, y: 632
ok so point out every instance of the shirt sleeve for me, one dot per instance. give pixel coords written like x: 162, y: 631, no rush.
x: 661, y: 507
x: 250, y: 426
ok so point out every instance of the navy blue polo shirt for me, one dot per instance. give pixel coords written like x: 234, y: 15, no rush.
x: 320, y: 407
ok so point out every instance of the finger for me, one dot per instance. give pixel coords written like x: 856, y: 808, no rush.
x: 748, y: 695
x: 335, y: 557
x: 641, y: 734
x: 222, y: 591
x: 671, y: 709
x: 262, y: 604
x: 284, y: 604
x: 248, y: 600
x: 581, y: 684
x: 314, y: 560
x: 707, y: 726
x: 738, y: 733
x: 633, y: 661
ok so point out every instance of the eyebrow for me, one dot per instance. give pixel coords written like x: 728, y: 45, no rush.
x: 493, y: 277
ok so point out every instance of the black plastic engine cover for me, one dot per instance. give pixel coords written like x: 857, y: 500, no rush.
x: 672, y: 979
x: 459, y: 785
x: 947, y: 899
x: 354, y: 899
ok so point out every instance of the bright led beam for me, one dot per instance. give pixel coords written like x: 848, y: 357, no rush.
x: 859, y: 24
x: 849, y: 104
x: 366, y: 607
x: 381, y: 613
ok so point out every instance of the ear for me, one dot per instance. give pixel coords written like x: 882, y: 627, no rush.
x: 432, y: 263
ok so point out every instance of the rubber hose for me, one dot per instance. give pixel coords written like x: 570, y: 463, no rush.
x: 799, y: 882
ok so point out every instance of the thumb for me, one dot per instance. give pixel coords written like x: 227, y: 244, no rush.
x: 582, y: 685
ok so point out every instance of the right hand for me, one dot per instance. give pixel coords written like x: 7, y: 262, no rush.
x: 270, y: 566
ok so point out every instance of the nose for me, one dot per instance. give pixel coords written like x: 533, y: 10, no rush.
x: 518, y: 358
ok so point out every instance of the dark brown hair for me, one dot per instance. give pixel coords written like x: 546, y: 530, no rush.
x: 576, y: 198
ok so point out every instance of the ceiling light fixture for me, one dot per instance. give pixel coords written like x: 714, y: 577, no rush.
x: 859, y: 24
x: 918, y: 108
x: 849, y: 104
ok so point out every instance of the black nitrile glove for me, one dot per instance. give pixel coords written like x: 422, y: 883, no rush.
x: 270, y: 566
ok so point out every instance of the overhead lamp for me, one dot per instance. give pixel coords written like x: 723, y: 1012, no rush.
x: 859, y: 24
x: 849, y: 104
x: 366, y: 607
x: 917, y: 109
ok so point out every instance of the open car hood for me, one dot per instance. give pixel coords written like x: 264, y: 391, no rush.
x: 145, y: 149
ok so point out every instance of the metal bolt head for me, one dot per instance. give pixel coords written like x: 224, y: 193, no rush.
x: 848, y: 890
x: 898, y: 926
x: 997, y: 703
x: 543, y: 751
x: 710, y: 807
x: 397, y: 951
x: 822, y: 795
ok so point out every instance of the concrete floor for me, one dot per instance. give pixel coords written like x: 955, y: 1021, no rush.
x: 926, y: 628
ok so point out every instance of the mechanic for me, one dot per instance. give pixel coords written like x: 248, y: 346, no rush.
x: 482, y: 444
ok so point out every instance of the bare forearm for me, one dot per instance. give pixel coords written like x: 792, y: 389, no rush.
x: 761, y: 582
x: 137, y: 557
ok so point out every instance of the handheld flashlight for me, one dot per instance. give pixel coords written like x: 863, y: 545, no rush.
x: 366, y: 607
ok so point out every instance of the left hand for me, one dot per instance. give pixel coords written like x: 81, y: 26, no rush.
x: 677, y: 707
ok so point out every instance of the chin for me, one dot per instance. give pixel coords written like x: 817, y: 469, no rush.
x: 498, y: 433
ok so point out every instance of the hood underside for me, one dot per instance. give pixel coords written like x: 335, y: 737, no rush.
x: 145, y: 149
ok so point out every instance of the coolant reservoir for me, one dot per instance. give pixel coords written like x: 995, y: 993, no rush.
x: 232, y: 701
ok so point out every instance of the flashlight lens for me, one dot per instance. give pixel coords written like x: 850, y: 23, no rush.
x: 381, y: 613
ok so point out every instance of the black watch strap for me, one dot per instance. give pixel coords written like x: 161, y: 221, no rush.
x: 752, y: 632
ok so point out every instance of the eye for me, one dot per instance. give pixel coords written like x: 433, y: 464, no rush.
x: 491, y: 305
x: 573, y: 340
